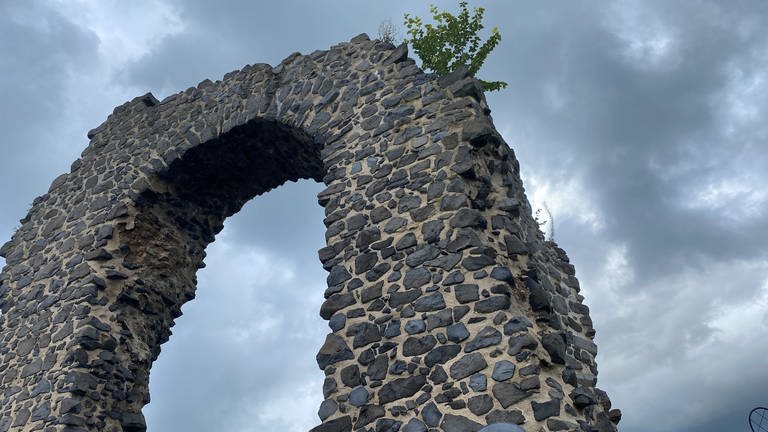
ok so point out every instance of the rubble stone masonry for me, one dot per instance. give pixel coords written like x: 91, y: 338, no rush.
x: 448, y: 310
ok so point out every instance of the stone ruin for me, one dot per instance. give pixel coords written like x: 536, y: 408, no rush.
x: 448, y: 310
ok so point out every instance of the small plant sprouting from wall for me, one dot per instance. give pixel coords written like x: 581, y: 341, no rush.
x: 453, y: 41
x: 544, y: 217
x: 388, y: 32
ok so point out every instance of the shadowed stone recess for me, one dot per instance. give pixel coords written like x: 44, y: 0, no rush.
x: 448, y: 310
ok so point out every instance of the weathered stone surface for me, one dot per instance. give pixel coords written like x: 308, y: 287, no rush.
x: 439, y: 319
x: 429, y: 303
x: 561, y: 425
x: 415, y: 278
x: 358, y: 397
x: 457, y: 332
x: 427, y: 230
x: 335, y: 303
x: 509, y: 393
x: 415, y: 425
x: 516, y: 324
x: 363, y: 334
x: 431, y: 414
x: 519, y: 343
x: 510, y: 426
x: 327, y: 408
x: 404, y: 297
x: 414, y: 346
x: 546, y: 409
x: 582, y: 397
x: 441, y: 354
x: 488, y: 336
x: 334, y: 350
x: 478, y: 382
x: 480, y: 405
x: 493, y: 304
x: 457, y: 423
x: 466, y: 293
x: 350, y: 376
x: 401, y: 388
x: 467, y: 365
x: 369, y: 414
x: 503, y: 370
x: 554, y: 343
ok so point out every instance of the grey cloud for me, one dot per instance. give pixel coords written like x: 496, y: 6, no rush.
x: 40, y: 51
x: 219, y: 39
x: 248, y: 339
x: 625, y: 127
x: 643, y: 138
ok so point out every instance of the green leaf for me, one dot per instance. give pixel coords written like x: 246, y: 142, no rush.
x: 453, y: 41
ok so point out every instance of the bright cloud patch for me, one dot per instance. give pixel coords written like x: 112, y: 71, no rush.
x: 647, y: 40
x: 736, y: 198
x: 681, y: 335
x: 126, y: 30
x: 251, y: 333
x: 565, y: 196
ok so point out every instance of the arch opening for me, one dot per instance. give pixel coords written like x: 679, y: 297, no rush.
x: 179, y: 215
x: 243, y: 354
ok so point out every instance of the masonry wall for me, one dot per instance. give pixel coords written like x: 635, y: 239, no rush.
x: 447, y: 309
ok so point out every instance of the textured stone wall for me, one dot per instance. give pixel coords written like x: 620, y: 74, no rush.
x: 447, y: 309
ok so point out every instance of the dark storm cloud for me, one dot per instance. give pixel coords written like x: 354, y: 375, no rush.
x: 627, y: 125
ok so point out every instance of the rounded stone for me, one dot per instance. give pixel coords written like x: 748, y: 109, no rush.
x: 359, y: 396
x: 503, y: 370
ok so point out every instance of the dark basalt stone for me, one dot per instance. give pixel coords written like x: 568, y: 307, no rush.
x: 415, y: 425
x: 403, y: 297
x: 368, y: 414
x: 480, y: 405
x: 334, y: 350
x: 509, y: 393
x: 401, y: 388
x: 414, y: 346
x: 441, y: 354
x: 363, y: 334
x: 457, y: 423
x: 429, y: 303
x: 488, y: 336
x: 457, y: 332
x: 431, y: 414
x: 467, y: 365
x: 554, y: 344
x: 544, y: 410
x: 335, y: 303
x: 582, y: 397
x: 493, y: 304
x: 466, y: 293
x: 415, y: 278
x: 516, y: 324
x: 341, y: 424
x: 350, y: 376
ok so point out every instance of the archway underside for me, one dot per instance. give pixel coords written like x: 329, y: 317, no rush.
x: 448, y: 310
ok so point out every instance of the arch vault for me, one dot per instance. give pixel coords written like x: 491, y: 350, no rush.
x: 448, y: 311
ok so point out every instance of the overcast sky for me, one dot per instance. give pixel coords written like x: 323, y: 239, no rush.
x: 641, y: 124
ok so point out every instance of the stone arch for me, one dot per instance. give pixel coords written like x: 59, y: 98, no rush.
x: 447, y: 308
